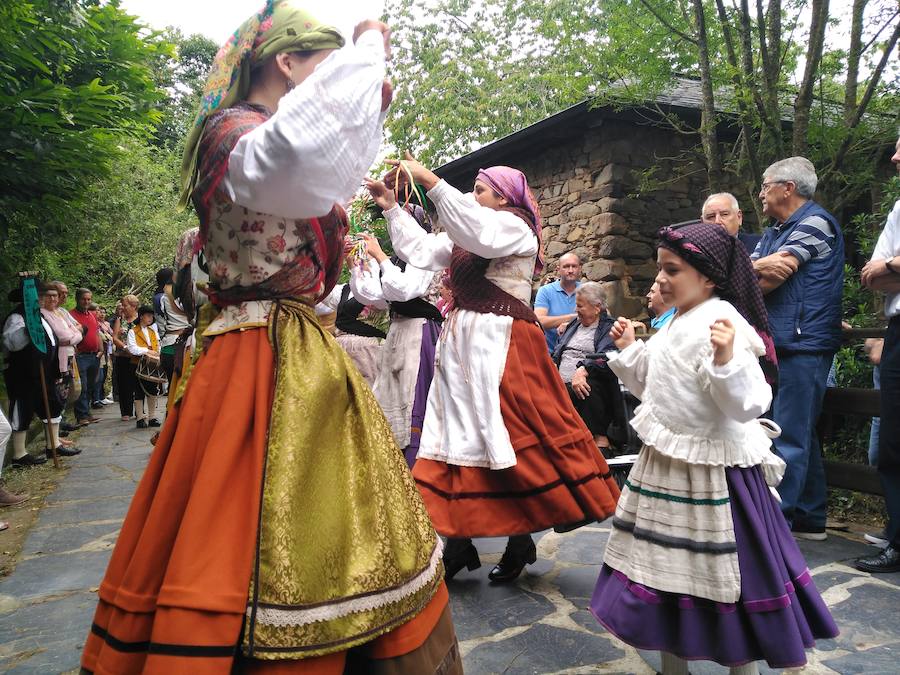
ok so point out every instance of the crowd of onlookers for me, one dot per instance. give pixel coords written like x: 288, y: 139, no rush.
x: 94, y: 358
x: 799, y: 262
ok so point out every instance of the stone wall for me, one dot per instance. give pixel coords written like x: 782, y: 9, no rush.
x: 584, y: 190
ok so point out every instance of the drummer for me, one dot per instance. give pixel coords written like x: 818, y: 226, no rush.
x: 143, y: 344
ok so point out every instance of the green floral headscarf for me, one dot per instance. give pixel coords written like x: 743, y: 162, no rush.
x: 278, y: 27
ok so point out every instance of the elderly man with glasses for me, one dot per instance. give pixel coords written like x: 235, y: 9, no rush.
x: 800, y: 263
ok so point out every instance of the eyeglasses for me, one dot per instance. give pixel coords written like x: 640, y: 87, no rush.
x: 764, y: 188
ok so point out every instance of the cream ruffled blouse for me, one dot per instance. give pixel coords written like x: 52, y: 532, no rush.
x: 694, y: 410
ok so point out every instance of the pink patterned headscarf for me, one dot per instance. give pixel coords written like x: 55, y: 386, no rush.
x: 512, y: 184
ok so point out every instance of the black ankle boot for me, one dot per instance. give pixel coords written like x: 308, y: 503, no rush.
x: 459, y: 553
x: 514, y: 559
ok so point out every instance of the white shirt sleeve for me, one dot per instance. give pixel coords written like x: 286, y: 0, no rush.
x: 333, y: 299
x: 630, y: 366
x: 415, y: 245
x: 401, y: 285
x: 15, y: 333
x: 739, y: 387
x: 478, y: 229
x: 366, y: 285
x: 320, y: 142
x: 889, y: 240
x: 131, y: 343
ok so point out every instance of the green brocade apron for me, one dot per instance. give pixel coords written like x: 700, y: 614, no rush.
x: 346, y: 551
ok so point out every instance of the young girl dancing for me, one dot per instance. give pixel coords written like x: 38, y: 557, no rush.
x: 700, y: 563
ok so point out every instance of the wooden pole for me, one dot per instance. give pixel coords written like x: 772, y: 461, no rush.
x: 49, y: 436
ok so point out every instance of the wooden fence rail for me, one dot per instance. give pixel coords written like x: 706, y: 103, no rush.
x: 856, y: 402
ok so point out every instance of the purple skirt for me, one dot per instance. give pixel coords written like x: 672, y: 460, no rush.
x: 780, y: 613
x: 431, y: 331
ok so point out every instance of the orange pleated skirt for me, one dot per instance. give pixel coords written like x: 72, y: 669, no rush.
x: 560, y: 478
x: 175, y: 593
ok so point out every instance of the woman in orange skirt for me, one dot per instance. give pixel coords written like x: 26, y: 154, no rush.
x: 276, y: 528
x: 502, y: 452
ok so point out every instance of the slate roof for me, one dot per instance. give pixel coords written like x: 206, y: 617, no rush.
x: 684, y: 99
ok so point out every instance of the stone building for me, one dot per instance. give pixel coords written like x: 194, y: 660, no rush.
x: 584, y: 164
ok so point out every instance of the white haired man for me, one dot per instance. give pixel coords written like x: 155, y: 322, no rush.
x: 800, y: 263
x: 723, y: 209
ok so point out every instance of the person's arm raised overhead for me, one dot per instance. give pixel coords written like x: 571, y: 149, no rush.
x: 315, y: 149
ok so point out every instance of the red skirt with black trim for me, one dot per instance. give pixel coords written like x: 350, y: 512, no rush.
x: 560, y: 478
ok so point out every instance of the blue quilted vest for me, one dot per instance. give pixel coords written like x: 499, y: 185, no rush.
x: 805, y: 311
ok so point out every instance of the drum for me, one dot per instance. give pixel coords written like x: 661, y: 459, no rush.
x: 150, y: 375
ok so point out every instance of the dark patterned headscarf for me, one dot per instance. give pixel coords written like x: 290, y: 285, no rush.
x: 721, y: 258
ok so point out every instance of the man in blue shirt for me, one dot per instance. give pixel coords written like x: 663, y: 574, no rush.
x: 800, y: 264
x: 555, y: 302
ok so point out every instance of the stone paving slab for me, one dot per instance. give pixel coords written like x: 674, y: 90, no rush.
x: 96, y: 536
x: 84, y: 510
x: 539, y: 624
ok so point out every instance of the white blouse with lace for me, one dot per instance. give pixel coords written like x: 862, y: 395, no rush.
x: 693, y: 410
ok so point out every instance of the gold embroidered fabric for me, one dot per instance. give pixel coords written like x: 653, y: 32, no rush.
x: 346, y: 549
x: 328, y: 321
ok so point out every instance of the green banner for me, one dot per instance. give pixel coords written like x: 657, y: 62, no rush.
x: 33, y: 315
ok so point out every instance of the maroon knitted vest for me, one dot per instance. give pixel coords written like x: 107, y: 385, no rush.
x: 473, y: 291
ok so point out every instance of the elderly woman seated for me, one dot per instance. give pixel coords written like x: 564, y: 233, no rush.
x: 592, y: 386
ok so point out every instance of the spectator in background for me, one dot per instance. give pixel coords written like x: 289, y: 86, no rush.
x: 873, y: 348
x: 143, y: 342
x: 25, y: 369
x: 125, y: 370
x: 723, y: 209
x: 113, y: 318
x: 661, y: 310
x: 592, y: 386
x: 69, y: 390
x: 164, y: 278
x: 86, y: 356
x: 7, y: 498
x: 68, y: 335
x: 882, y: 273
x: 800, y: 265
x: 555, y: 302
x: 99, y: 394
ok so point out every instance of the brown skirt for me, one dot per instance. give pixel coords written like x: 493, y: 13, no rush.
x: 560, y: 478
x: 175, y: 593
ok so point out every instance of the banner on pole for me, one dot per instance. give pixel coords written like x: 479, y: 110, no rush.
x: 33, y: 315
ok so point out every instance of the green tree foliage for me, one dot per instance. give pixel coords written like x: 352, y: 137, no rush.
x: 97, y: 106
x: 75, y: 77
x: 471, y: 71
x: 127, y: 225
x: 466, y: 79
x: 182, y: 77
